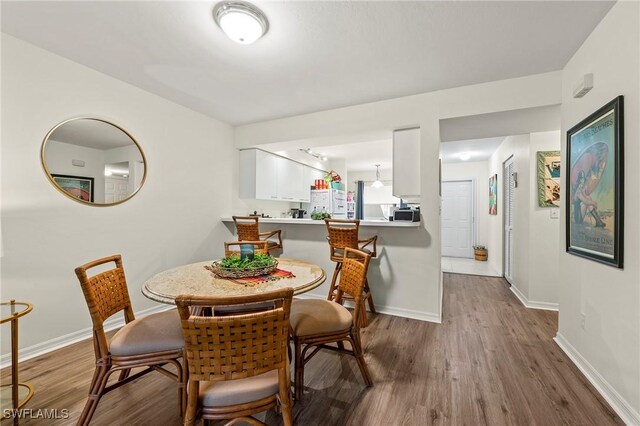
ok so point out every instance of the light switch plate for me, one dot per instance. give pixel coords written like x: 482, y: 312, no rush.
x: 555, y: 213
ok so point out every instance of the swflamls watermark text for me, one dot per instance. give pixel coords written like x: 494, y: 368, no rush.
x: 31, y: 413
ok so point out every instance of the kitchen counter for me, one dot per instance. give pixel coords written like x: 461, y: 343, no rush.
x: 375, y: 222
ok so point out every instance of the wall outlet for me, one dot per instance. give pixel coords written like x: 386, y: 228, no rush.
x: 583, y: 320
x: 555, y: 213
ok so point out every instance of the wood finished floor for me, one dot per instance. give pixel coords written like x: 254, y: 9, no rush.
x: 490, y: 362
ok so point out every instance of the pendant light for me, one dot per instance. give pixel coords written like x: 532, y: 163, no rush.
x: 242, y: 22
x: 377, y: 183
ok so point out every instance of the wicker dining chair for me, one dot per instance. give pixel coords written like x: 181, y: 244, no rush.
x: 151, y: 341
x: 238, y: 364
x: 316, y: 323
x: 342, y: 234
x: 258, y: 247
x: 248, y: 229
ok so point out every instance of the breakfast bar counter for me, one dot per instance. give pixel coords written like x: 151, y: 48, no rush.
x: 291, y: 221
x: 396, y: 276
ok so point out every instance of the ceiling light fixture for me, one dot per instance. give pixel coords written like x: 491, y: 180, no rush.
x: 464, y: 156
x: 377, y: 183
x: 320, y: 157
x: 242, y: 22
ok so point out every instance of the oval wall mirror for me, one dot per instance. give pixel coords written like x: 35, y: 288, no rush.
x: 93, y: 161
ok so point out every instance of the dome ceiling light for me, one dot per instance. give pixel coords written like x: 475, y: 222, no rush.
x: 242, y: 22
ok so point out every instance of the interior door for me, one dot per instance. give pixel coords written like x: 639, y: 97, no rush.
x: 508, y: 187
x: 115, y: 189
x: 457, y: 219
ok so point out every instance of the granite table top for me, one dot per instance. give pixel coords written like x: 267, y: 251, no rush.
x: 195, y: 280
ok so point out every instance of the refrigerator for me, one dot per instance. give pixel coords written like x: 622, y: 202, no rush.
x: 332, y: 201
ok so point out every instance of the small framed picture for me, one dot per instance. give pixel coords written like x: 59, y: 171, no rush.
x: 594, y: 182
x: 493, y: 194
x: 549, y: 178
x: 79, y: 187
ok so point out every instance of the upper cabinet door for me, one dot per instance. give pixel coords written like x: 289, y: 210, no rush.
x: 406, y: 163
x: 266, y: 176
x: 290, y: 179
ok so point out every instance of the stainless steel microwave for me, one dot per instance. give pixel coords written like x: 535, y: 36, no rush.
x: 407, y: 215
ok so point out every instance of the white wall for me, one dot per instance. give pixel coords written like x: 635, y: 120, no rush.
x: 420, y: 285
x: 173, y: 220
x: 608, y: 346
x: 544, y: 230
x: 479, y: 172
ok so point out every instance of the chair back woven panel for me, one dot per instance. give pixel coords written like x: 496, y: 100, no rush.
x: 109, y: 292
x: 352, y: 277
x: 343, y: 237
x: 236, y: 347
x: 105, y: 293
x: 247, y: 228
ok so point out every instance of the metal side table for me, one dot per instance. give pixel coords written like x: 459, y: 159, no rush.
x: 20, y: 393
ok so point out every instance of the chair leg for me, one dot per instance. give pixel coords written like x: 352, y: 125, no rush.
x: 299, y: 370
x: 363, y: 316
x: 286, y: 402
x: 372, y: 307
x: 354, y: 339
x: 98, y: 383
x: 124, y: 374
x: 192, y: 404
x: 334, y: 281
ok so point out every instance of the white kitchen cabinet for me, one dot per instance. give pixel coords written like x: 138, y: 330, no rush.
x: 258, y: 175
x: 266, y: 176
x: 290, y: 179
x: 406, y: 163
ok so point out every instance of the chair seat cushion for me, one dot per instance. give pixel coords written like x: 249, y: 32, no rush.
x: 272, y: 243
x: 310, y: 317
x: 240, y: 391
x: 154, y: 333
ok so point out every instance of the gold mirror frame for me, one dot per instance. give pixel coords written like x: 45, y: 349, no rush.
x: 47, y: 172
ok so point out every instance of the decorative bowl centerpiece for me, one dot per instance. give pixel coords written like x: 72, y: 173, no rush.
x: 236, y: 266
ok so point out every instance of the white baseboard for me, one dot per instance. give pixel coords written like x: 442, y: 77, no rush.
x: 390, y: 310
x: 77, y: 336
x: 533, y: 304
x: 622, y: 408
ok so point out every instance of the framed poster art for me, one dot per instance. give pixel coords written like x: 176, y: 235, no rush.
x: 594, y: 200
x: 79, y: 187
x: 549, y: 178
x: 493, y: 194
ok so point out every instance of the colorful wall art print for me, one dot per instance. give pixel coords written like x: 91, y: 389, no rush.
x: 594, y: 181
x: 549, y: 178
x: 493, y: 194
x: 77, y: 186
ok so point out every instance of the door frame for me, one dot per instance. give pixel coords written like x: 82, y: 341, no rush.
x: 474, y: 210
x: 511, y: 159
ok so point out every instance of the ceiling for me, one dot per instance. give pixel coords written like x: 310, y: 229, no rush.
x: 362, y: 156
x: 91, y: 134
x: 478, y: 149
x: 316, y: 55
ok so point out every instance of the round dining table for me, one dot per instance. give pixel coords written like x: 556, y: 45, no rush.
x: 196, y: 280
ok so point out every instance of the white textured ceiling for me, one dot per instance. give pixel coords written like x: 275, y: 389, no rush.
x: 478, y: 149
x: 316, y: 55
